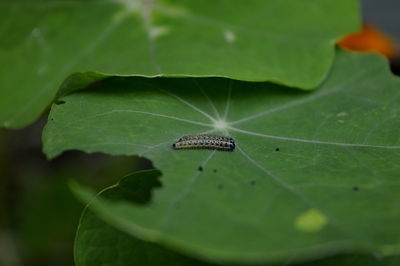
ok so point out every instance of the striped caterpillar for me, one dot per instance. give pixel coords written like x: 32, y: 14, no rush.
x: 208, y: 142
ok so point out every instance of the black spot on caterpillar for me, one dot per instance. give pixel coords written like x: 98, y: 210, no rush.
x: 208, y: 142
x: 206, y: 137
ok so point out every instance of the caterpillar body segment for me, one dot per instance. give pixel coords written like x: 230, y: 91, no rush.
x: 207, y: 142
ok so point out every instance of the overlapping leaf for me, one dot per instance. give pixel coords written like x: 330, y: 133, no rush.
x: 313, y: 173
x: 98, y: 243
x: 43, y: 41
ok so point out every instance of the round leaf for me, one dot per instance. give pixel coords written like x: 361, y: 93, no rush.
x: 42, y: 41
x: 313, y: 173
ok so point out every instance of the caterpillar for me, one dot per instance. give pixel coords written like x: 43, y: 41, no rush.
x: 208, y: 142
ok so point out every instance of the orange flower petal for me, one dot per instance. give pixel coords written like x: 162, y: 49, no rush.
x: 369, y: 39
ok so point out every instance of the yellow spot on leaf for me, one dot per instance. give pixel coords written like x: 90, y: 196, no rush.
x: 310, y: 221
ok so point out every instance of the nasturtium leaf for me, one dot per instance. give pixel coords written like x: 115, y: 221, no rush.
x: 313, y: 172
x: 98, y: 243
x: 43, y: 41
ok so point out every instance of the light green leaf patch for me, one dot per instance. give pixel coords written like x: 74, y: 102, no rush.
x: 42, y: 42
x: 293, y: 154
x: 310, y: 221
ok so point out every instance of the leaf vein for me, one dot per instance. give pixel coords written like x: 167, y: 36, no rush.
x: 251, y: 133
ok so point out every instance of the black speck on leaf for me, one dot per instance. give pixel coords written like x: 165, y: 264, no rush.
x: 201, y: 168
x: 277, y: 149
x: 355, y: 188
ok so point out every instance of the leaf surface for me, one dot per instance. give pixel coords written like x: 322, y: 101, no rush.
x: 42, y: 42
x: 97, y: 243
x: 313, y: 173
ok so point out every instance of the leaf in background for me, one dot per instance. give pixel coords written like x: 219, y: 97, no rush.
x: 289, y: 42
x: 313, y: 173
x: 98, y: 243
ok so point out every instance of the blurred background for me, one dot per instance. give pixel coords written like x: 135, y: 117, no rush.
x: 384, y: 19
x: 38, y: 213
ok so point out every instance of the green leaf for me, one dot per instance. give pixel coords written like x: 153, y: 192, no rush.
x: 43, y: 41
x: 313, y: 173
x: 98, y: 243
x: 355, y: 260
